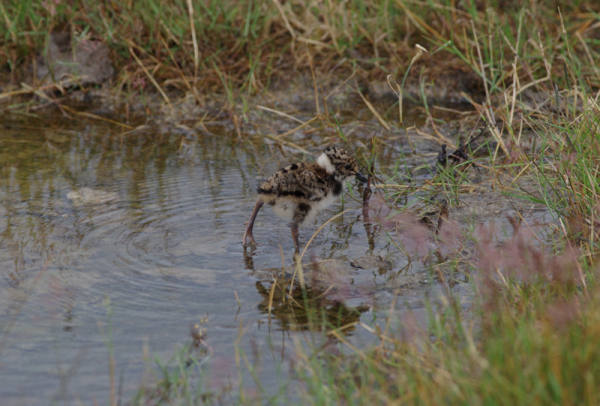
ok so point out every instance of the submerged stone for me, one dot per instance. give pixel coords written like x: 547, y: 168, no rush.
x: 87, y: 196
x: 372, y: 262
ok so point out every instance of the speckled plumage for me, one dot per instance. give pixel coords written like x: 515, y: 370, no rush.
x: 299, y: 191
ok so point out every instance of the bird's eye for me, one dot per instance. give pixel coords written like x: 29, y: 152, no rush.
x: 347, y: 166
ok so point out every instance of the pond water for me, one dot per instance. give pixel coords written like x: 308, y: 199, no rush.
x: 147, y: 225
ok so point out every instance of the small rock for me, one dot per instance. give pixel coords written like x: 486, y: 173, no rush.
x: 56, y: 137
x: 89, y: 64
x: 87, y: 196
x: 371, y: 262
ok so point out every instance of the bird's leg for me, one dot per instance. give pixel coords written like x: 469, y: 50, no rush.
x: 295, y: 233
x: 250, y: 223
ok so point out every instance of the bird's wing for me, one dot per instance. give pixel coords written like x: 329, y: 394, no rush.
x: 296, y: 180
x: 310, y: 184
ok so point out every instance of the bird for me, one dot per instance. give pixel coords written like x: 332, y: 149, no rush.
x: 299, y: 191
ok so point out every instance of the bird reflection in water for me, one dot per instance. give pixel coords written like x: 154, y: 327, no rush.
x: 309, y: 309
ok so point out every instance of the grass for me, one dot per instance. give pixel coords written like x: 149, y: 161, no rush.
x: 530, y: 336
x: 240, y: 48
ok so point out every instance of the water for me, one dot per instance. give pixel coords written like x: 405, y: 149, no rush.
x: 156, y: 241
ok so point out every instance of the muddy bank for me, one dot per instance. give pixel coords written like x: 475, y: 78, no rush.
x: 68, y: 68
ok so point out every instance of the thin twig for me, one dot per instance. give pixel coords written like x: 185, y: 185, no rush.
x: 154, y: 82
x: 299, y: 258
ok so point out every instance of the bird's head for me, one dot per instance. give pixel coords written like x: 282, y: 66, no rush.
x: 340, y: 164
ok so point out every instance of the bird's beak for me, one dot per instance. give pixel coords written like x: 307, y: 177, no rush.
x: 361, y: 177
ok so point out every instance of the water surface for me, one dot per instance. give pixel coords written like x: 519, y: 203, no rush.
x: 147, y: 225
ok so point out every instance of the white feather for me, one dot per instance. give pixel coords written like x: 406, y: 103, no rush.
x: 284, y: 209
x: 324, y: 162
x: 329, y: 199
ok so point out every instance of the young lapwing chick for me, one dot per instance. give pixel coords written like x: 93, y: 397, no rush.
x: 299, y: 191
